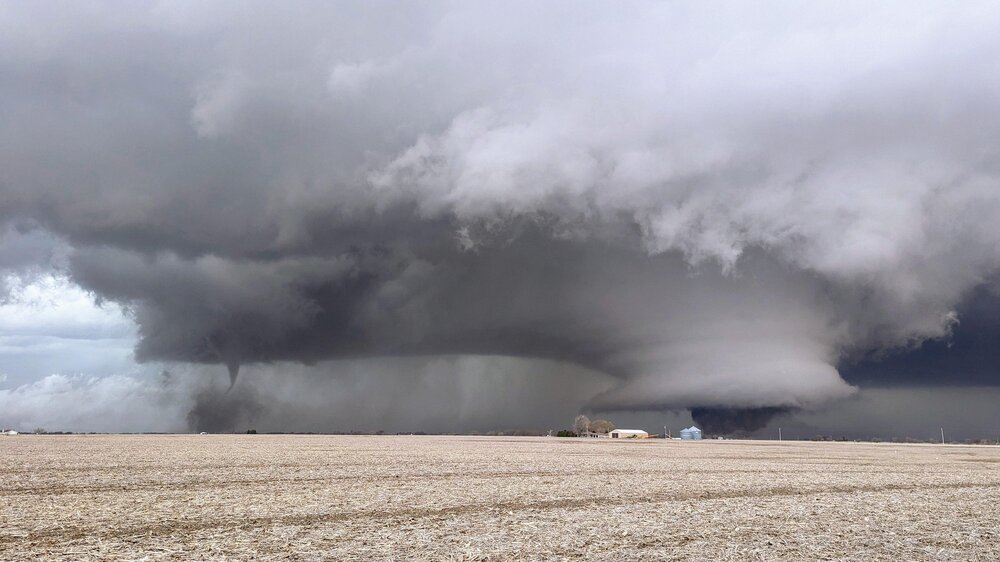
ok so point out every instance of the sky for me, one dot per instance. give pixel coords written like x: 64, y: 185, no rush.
x: 472, y: 217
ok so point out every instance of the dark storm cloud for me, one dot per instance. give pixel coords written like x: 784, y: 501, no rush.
x: 970, y: 357
x: 215, y: 411
x: 718, y: 207
x: 730, y: 420
x: 25, y: 253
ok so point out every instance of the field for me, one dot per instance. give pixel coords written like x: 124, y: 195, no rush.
x: 483, y: 498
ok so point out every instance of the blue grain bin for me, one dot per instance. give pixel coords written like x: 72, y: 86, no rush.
x: 691, y: 433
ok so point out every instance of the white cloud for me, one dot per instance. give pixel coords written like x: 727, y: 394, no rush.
x: 55, y: 307
x: 51, y: 325
x: 86, y: 403
x: 354, y: 78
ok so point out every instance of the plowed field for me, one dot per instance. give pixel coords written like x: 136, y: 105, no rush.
x: 484, y: 498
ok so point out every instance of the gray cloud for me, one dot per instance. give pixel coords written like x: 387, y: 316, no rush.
x: 440, y: 394
x: 445, y: 394
x: 25, y: 254
x: 918, y: 412
x: 716, y: 206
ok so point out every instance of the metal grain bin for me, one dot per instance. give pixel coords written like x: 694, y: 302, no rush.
x: 691, y: 433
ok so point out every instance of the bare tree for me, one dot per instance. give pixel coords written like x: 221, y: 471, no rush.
x: 601, y: 426
x: 581, y: 424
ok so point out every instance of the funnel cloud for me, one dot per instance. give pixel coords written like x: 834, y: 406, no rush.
x: 719, y: 207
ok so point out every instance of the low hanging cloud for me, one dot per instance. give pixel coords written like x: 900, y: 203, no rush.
x: 26, y: 254
x: 717, y: 206
x: 440, y: 394
x: 82, y: 403
x: 451, y: 394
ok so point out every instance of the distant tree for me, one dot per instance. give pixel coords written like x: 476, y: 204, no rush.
x: 601, y: 426
x: 251, y: 432
x: 581, y: 424
x: 39, y: 430
x: 521, y: 432
x: 565, y: 433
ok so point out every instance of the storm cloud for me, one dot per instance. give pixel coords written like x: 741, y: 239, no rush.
x: 718, y: 206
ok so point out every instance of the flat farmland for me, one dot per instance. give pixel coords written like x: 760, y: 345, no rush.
x: 91, y: 497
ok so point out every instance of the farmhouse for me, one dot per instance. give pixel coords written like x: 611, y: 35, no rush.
x: 628, y: 434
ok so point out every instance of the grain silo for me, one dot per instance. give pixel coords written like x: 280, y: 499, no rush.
x: 691, y: 433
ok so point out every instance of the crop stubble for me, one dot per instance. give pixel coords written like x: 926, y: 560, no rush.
x: 481, y: 498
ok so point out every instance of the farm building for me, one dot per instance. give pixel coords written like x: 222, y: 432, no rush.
x: 628, y: 434
x: 691, y: 433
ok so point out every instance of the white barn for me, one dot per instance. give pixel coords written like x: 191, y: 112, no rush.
x: 627, y: 434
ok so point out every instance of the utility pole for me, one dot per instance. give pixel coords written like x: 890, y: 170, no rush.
x: 779, y: 434
x: 942, y: 436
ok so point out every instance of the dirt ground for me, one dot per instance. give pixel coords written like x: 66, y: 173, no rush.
x: 91, y: 497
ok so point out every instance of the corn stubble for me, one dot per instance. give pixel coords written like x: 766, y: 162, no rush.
x: 487, y: 498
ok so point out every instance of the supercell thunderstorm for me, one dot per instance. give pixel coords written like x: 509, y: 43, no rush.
x: 717, y: 207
